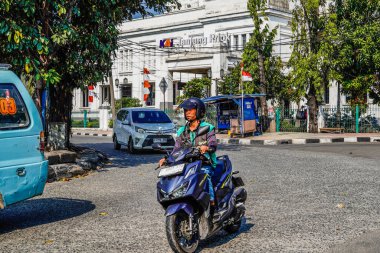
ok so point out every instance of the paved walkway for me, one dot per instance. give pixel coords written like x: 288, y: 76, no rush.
x: 268, y: 138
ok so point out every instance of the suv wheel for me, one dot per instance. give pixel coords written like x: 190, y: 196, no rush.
x: 116, y: 145
x: 131, y: 147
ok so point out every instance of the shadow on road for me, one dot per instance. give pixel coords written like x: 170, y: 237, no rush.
x: 223, y: 238
x: 123, y: 159
x: 41, y: 211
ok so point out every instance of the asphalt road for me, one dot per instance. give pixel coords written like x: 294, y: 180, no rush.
x: 306, y: 198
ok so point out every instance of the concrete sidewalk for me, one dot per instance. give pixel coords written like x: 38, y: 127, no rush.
x: 267, y: 138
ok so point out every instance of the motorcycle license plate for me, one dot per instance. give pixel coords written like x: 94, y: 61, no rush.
x: 171, y: 171
x: 159, y: 140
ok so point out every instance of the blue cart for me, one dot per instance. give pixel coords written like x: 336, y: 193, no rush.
x: 229, y: 113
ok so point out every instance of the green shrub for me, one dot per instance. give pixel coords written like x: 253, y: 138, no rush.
x: 127, y: 102
x: 110, y: 123
x: 91, y: 123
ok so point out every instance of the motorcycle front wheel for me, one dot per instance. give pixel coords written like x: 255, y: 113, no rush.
x: 180, y: 239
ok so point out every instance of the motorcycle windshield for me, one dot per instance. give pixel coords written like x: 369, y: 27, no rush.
x: 179, y: 153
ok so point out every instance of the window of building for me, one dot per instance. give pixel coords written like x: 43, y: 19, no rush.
x: 106, y: 94
x: 244, y: 36
x: 85, y: 97
x: 327, y: 95
x: 121, y: 60
x: 126, y: 91
x: 152, y: 95
x: 236, y: 41
x: 126, y: 64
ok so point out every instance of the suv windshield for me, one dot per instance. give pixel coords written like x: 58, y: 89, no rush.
x: 150, y: 117
x: 13, y: 113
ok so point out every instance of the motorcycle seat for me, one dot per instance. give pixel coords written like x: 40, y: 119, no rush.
x: 218, y: 171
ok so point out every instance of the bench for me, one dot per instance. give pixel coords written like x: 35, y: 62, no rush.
x: 331, y: 130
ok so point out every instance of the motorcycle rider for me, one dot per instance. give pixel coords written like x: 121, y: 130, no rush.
x: 194, y: 110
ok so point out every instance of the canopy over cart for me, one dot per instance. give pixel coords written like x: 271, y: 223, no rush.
x: 231, y: 115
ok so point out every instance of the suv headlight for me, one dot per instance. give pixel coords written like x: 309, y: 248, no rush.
x: 180, y: 191
x: 139, y: 130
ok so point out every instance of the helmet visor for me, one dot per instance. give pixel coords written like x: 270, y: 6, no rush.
x: 188, y: 105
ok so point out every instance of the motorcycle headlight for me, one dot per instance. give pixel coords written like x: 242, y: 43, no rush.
x: 191, y: 171
x: 180, y: 191
x: 139, y: 130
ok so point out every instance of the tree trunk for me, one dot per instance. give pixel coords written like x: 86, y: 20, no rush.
x: 263, y: 82
x: 61, y: 105
x: 313, y: 111
x: 112, y: 96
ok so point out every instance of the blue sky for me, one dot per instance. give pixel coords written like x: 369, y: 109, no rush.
x: 138, y: 15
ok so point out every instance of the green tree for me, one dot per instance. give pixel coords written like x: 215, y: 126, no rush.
x: 308, y: 68
x: 351, y: 43
x: 198, y: 87
x: 230, y: 82
x: 278, y: 86
x: 65, y: 45
x: 258, y: 53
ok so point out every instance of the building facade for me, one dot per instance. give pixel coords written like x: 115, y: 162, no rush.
x: 203, y: 38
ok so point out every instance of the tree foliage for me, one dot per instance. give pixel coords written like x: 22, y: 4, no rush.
x: 198, y: 87
x: 258, y: 58
x: 307, y: 64
x: 63, y: 45
x: 70, y: 41
x: 351, y: 43
x: 230, y: 82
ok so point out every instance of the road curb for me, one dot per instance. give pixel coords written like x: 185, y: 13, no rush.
x: 298, y: 141
x: 92, y: 134
x: 250, y: 142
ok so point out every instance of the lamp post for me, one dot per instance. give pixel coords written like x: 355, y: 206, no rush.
x: 209, y: 75
x: 221, y: 74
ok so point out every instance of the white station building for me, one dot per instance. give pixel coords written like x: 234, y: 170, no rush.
x: 203, y: 38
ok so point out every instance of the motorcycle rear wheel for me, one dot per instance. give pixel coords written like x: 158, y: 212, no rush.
x: 178, y: 240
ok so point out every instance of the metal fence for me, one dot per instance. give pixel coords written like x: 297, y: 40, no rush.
x: 351, y: 119
x: 291, y: 120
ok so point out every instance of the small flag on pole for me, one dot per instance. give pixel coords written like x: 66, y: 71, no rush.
x: 246, y: 76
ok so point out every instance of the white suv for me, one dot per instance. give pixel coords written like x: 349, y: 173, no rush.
x: 139, y: 128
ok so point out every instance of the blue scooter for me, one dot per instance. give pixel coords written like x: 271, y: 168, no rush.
x: 182, y: 190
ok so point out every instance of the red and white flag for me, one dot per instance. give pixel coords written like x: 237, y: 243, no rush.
x: 246, y: 76
x: 146, y: 84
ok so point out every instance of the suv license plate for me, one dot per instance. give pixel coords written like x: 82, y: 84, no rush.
x: 159, y: 140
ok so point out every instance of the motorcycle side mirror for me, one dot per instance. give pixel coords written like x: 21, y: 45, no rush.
x: 157, y: 146
x: 203, y: 130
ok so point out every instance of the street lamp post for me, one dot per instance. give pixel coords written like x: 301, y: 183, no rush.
x: 221, y: 74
